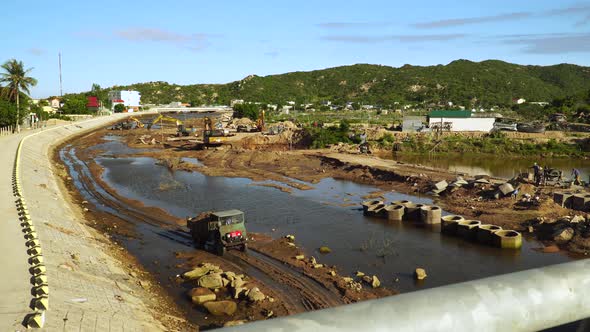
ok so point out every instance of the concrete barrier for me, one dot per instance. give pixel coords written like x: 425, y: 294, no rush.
x: 430, y: 214
x: 395, y: 212
x: 450, y: 224
x: 467, y: 229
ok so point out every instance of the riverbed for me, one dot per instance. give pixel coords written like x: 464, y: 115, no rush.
x: 327, y: 215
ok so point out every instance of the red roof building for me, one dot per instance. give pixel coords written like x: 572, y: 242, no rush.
x: 92, y: 102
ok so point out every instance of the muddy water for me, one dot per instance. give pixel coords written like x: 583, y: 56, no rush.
x: 497, y: 166
x: 316, y: 217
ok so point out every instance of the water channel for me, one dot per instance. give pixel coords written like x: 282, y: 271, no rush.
x: 494, y: 165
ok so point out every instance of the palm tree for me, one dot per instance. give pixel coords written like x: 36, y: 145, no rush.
x: 17, y: 80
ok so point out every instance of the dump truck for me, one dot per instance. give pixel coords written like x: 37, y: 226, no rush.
x: 219, y: 231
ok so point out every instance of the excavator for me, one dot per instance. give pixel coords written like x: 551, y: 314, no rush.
x: 179, y: 125
x: 259, y: 127
x: 138, y: 124
x: 214, y: 137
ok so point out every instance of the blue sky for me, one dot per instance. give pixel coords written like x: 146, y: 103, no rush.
x: 186, y: 42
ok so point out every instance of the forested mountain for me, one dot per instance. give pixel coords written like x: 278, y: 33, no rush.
x: 462, y: 82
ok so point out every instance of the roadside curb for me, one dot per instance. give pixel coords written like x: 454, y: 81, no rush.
x: 40, y: 288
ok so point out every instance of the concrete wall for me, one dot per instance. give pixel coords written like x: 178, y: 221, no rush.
x: 466, y: 124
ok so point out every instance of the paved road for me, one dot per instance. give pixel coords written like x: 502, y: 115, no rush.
x: 88, y: 289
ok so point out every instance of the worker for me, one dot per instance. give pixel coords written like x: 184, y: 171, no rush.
x: 576, y: 176
x: 515, y: 194
x: 537, y: 173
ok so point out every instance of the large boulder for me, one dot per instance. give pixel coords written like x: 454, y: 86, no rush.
x: 211, y: 281
x: 196, y: 273
x: 221, y: 308
x: 255, y: 295
x: 565, y: 235
x: 237, y: 282
x: 420, y: 274
x: 201, y: 295
x: 375, y: 282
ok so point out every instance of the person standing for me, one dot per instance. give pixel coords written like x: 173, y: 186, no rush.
x: 537, y: 173
x: 576, y: 176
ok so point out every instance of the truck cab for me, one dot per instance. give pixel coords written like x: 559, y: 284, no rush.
x: 219, y: 231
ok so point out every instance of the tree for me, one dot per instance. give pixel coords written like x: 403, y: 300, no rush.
x: 246, y: 111
x: 74, y: 104
x: 15, y: 76
x: 119, y: 108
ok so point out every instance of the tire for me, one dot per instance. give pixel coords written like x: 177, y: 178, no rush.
x: 219, y: 249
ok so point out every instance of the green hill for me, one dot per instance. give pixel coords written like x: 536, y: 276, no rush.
x: 463, y: 82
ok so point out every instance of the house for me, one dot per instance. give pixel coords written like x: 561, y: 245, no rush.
x: 93, y: 104
x: 460, y: 121
x: 519, y: 101
x: 131, y: 99
x: 54, y: 103
x: 236, y: 102
x: 412, y: 124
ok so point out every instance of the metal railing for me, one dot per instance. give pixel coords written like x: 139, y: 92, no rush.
x: 529, y: 300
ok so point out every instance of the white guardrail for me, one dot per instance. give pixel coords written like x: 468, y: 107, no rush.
x: 529, y: 300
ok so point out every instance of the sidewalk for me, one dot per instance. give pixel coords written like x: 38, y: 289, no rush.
x: 88, y: 289
x: 15, y: 288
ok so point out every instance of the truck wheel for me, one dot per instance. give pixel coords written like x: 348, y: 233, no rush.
x: 244, y: 247
x: 219, y: 249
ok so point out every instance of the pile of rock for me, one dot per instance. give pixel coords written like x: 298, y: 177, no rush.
x: 498, y: 190
x: 345, y: 148
x: 357, y: 285
x: 561, y: 230
x: 210, y: 279
x: 147, y: 139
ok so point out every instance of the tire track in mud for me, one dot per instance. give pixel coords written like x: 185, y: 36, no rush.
x: 312, y: 294
x: 298, y: 292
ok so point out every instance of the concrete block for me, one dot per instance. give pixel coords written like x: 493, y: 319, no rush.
x: 442, y: 185
x: 40, y: 280
x: 36, y: 320
x: 38, y: 269
x: 564, y: 199
x: 36, y: 260
x: 506, y: 189
x: 33, y: 243
x: 41, y: 303
x: 41, y: 290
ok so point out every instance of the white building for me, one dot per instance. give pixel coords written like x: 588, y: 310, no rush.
x: 460, y: 121
x: 130, y: 99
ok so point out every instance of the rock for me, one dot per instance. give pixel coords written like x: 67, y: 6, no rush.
x: 325, y: 250
x: 459, y: 181
x: 375, y: 282
x: 86, y: 210
x: 300, y: 257
x: 347, y: 279
x: 312, y: 260
x: 333, y: 273
x: 224, y: 282
x: 531, y: 229
x: 237, y: 282
x: 196, y: 273
x: 220, y: 308
x: 317, y: 266
x: 201, y: 295
x: 234, y: 323
x: 229, y: 275
x: 577, y: 219
x: 238, y: 291
x: 211, y: 281
x: 564, y: 236
x: 420, y: 274
x: 291, y: 244
x: 290, y: 238
x: 255, y: 295
x: 551, y: 249
x: 360, y: 274
x: 506, y: 189
x: 442, y: 185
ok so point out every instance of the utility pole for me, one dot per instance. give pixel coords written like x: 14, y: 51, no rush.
x: 61, y: 93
